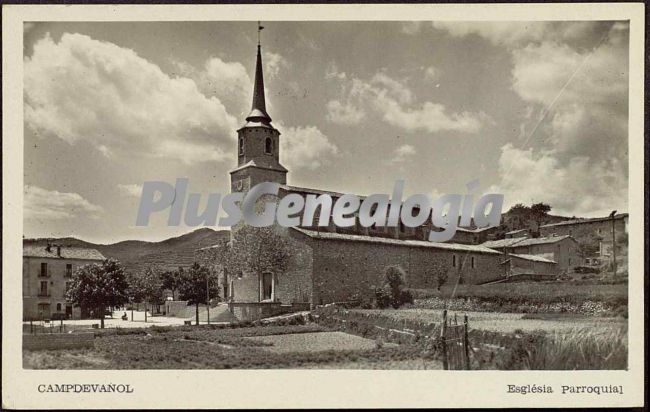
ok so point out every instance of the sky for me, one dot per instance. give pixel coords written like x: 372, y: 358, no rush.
x: 537, y: 111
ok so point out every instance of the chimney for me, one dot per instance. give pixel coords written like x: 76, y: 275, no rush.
x: 58, y: 251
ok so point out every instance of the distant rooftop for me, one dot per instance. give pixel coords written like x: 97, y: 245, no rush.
x: 398, y: 242
x: 533, y: 258
x: 589, y: 220
x: 522, y: 241
x: 66, y: 252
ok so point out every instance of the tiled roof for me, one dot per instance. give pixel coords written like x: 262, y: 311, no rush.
x: 522, y: 241
x: 592, y: 220
x: 261, y: 164
x: 497, y: 244
x: 398, y: 242
x: 533, y: 258
x: 474, y: 230
x: 541, y: 240
x: 66, y: 253
x: 296, y: 189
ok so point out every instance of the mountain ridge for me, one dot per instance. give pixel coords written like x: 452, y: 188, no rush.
x: 136, y: 255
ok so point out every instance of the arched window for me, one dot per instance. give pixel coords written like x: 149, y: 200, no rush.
x: 58, y: 305
x: 268, y: 147
x: 241, y: 147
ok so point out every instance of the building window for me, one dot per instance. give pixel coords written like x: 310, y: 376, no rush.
x: 58, y: 307
x: 44, y: 269
x: 472, y: 262
x: 241, y: 146
x: 268, y: 146
x: 453, y: 261
x: 599, y: 231
x: 68, y: 270
x: 43, y: 290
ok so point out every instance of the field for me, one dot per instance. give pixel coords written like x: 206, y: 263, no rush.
x: 239, y: 348
x: 529, y: 297
x: 505, y: 322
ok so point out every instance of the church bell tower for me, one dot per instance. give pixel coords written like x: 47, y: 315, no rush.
x: 258, y: 142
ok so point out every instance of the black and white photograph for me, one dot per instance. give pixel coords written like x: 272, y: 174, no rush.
x: 285, y: 194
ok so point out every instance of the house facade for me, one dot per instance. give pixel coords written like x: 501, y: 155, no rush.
x: 563, y: 250
x: 47, y: 271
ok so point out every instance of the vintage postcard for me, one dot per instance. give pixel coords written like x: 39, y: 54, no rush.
x: 287, y: 206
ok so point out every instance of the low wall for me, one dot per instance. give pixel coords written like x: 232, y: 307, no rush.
x: 251, y: 311
x: 58, y: 341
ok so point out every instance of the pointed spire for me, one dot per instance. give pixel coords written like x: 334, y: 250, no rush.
x: 258, y: 110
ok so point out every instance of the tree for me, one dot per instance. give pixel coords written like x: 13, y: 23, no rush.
x: 99, y: 286
x: 197, y: 283
x: 258, y: 250
x: 147, y: 287
x: 171, y: 279
x: 394, y: 281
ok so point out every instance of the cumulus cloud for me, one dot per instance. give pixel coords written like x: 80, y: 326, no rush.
x: 83, y: 89
x: 395, y: 103
x: 580, y: 162
x: 344, y: 113
x: 305, y: 147
x: 402, y: 153
x: 43, y: 204
x: 133, y: 189
x: 579, y: 186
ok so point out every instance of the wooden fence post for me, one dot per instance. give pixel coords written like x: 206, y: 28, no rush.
x: 466, y: 342
x: 443, y: 331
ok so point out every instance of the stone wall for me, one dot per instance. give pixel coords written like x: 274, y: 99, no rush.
x: 346, y: 269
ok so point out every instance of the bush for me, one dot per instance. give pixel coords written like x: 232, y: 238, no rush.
x: 382, y: 298
x: 405, y: 297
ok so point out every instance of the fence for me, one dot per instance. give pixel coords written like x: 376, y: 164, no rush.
x: 454, y: 339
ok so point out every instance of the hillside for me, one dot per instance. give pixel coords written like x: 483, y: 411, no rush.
x: 137, y: 254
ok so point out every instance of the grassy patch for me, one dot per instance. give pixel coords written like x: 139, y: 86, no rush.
x: 584, y: 349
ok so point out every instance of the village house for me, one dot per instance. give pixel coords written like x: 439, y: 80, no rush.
x: 475, y: 236
x: 333, y: 264
x: 47, y: 271
x: 563, y: 250
x: 596, y: 235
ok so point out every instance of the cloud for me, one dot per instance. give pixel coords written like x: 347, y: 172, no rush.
x: 344, y: 113
x: 133, y: 190
x: 273, y: 64
x: 580, y: 186
x: 305, y: 147
x: 432, y: 74
x: 83, y: 89
x: 573, y: 77
x: 43, y: 204
x: 395, y: 103
x: 402, y: 153
x: 516, y: 33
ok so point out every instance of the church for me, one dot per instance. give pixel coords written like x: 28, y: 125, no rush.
x: 336, y: 264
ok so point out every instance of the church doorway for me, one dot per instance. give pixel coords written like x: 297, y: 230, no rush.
x: 267, y: 286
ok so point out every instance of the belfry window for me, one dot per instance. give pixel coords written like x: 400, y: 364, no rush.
x: 268, y: 146
x: 241, y: 147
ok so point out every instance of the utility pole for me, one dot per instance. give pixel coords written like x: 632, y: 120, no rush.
x: 613, y: 241
x: 207, y: 295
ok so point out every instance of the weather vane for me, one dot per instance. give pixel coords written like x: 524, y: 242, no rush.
x: 259, y: 29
